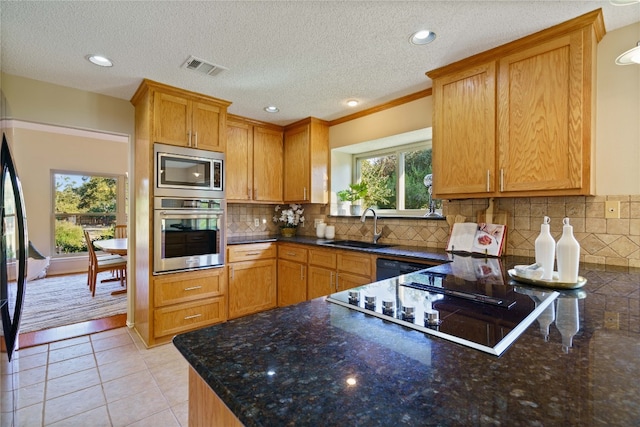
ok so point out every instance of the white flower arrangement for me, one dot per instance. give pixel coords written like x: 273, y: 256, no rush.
x: 290, y: 218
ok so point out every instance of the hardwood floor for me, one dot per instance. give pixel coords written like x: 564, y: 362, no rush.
x: 31, y: 339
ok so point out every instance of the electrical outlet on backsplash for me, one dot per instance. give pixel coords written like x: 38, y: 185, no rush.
x: 605, y: 241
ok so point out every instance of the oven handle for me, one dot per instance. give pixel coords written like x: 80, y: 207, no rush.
x: 189, y: 214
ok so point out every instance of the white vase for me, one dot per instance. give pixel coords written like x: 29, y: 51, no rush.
x: 568, y: 253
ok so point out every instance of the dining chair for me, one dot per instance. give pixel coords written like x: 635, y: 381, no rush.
x: 102, y: 256
x: 113, y: 263
x: 120, y: 231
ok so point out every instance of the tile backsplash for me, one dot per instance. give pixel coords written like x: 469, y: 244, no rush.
x: 602, y: 240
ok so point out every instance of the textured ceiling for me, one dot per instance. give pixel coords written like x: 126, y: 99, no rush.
x: 306, y: 57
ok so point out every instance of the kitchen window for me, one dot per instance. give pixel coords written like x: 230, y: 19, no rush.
x: 95, y: 202
x: 395, y: 178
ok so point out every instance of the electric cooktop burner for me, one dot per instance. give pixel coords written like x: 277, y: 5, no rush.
x: 467, y: 301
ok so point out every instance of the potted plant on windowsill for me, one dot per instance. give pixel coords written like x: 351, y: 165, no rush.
x: 354, y: 194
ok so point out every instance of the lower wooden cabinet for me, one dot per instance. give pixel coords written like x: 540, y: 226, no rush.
x: 187, y: 300
x: 252, y: 278
x: 333, y: 270
x: 292, y: 274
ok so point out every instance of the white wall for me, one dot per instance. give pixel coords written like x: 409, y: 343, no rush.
x: 618, y: 116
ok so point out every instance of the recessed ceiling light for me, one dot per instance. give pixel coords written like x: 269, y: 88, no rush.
x: 630, y: 57
x: 271, y: 109
x: 623, y: 2
x: 100, y: 60
x: 352, y: 102
x: 422, y: 37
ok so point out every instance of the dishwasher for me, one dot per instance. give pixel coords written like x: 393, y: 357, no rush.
x: 388, y: 268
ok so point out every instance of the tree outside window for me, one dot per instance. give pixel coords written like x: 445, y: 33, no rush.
x: 395, y: 177
x: 85, y: 202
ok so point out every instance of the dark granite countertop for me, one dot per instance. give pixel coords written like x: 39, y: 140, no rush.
x: 291, y: 366
x: 416, y: 253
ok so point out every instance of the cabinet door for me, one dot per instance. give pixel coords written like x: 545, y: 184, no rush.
x: 267, y: 165
x: 238, y: 161
x: 252, y: 287
x: 541, y: 109
x: 297, y: 155
x: 464, y: 133
x: 356, y: 263
x: 346, y: 281
x: 205, y: 124
x: 292, y: 282
x: 321, y: 282
x: 171, y: 119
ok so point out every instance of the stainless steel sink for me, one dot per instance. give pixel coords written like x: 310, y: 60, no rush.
x: 356, y: 244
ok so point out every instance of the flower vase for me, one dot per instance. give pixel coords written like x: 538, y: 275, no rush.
x: 288, y: 232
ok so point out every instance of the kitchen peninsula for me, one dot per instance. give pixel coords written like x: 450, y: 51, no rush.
x: 318, y: 363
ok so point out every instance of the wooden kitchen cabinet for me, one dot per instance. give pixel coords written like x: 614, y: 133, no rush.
x: 306, y: 162
x: 187, y: 300
x: 517, y: 120
x: 254, y: 161
x: 252, y: 278
x: 189, y: 120
x: 292, y: 274
x: 464, y: 132
x: 334, y: 270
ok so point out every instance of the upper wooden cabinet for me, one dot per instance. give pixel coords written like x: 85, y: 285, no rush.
x: 518, y: 120
x: 254, y: 161
x: 306, y: 162
x: 186, y: 118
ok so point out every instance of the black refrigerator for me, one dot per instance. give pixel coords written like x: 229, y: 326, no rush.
x: 13, y: 225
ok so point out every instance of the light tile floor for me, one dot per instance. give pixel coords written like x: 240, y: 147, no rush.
x: 105, y: 379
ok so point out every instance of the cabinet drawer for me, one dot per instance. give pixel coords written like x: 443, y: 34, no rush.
x: 323, y: 258
x: 188, y: 316
x: 356, y: 263
x: 188, y: 286
x: 253, y: 251
x: 292, y: 253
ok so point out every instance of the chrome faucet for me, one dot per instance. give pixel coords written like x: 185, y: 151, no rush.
x: 376, y: 235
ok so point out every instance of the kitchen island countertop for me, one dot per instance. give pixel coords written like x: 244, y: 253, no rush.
x: 317, y: 363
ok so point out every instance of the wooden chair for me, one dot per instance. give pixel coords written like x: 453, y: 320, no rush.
x: 120, y: 231
x: 113, y: 263
x: 102, y: 256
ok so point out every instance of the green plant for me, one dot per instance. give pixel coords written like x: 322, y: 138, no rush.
x: 355, y: 192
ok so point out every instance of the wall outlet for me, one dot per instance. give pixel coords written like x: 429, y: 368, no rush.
x: 256, y: 222
x: 612, y: 209
x: 611, y: 320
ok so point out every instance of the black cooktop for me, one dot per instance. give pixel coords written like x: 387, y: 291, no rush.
x: 468, y: 301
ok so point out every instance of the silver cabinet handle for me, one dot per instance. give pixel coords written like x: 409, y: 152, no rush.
x: 196, y: 145
x: 194, y: 316
x: 291, y: 253
x: 488, y: 181
x: 189, y: 138
x: 501, y: 180
x: 301, y: 272
x: 231, y: 270
x: 331, y: 280
x: 253, y: 253
x: 304, y: 197
x: 193, y: 288
x: 337, y: 285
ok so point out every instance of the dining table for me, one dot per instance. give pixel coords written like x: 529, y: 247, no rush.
x: 116, y: 247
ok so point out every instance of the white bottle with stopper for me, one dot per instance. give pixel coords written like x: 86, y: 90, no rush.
x: 568, y: 253
x: 545, y: 249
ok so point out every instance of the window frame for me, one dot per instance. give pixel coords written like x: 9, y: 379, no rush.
x: 399, y: 151
x: 121, y: 212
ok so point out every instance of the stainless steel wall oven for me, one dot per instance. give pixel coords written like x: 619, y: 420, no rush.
x: 188, y: 233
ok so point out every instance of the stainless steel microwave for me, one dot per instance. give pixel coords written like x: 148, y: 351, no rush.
x: 188, y: 172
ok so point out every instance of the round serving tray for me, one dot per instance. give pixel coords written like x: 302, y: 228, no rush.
x: 553, y: 284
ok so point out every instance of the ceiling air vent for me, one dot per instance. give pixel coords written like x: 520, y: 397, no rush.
x: 203, y: 67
